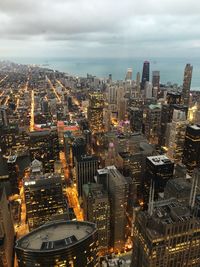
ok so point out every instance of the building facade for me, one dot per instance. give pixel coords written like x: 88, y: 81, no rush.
x: 85, y: 169
x: 43, y: 196
x: 191, y: 154
x: 96, y: 207
x: 6, y: 232
x: 168, y: 237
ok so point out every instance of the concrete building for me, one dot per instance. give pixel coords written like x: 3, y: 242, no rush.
x: 156, y: 79
x: 6, y: 232
x: 43, y: 196
x: 135, y: 116
x: 96, y: 207
x: 169, y: 236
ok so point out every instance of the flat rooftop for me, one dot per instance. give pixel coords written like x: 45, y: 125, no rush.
x: 195, y: 127
x: 159, y: 160
x: 56, y: 235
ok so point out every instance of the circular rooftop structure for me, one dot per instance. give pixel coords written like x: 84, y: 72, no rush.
x: 63, y: 241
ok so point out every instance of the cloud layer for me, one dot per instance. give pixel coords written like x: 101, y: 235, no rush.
x: 100, y: 28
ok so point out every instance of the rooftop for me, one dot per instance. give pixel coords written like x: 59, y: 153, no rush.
x: 12, y: 159
x: 159, y: 160
x: 56, y: 235
x: 195, y: 127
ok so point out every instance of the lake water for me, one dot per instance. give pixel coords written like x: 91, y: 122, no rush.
x: 171, y: 69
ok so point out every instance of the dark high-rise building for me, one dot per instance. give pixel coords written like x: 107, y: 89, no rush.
x: 156, y: 79
x: 191, y: 153
x: 59, y: 243
x: 96, y: 207
x: 173, y: 98
x: 43, y: 195
x: 118, y: 189
x: 145, y: 73
x: 44, y: 146
x: 6, y: 232
x: 136, y: 119
x: 95, y: 112
x: 168, y: 237
x: 159, y: 169
x: 78, y: 147
x: 13, y: 171
x: 86, y: 167
x: 134, y: 164
x: 186, y: 84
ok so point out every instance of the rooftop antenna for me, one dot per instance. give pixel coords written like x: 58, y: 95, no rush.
x: 151, y: 198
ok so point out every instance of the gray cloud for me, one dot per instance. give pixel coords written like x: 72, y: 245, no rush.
x: 105, y: 27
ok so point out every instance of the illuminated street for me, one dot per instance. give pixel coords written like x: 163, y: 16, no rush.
x: 71, y: 191
x: 32, y: 111
x: 54, y: 90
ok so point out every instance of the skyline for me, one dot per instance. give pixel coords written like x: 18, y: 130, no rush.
x: 104, y: 29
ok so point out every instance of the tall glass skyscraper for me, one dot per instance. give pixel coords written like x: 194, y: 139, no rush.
x: 145, y: 73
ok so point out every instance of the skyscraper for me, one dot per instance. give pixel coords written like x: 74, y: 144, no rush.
x: 59, y: 243
x: 156, y: 79
x: 13, y: 171
x: 85, y: 169
x: 159, y: 169
x: 152, y: 123
x: 169, y: 236
x: 95, y: 112
x: 191, y: 153
x: 173, y: 103
x: 118, y: 189
x: 6, y: 232
x: 186, y: 84
x: 145, y: 73
x: 43, y: 195
x: 177, y: 136
x: 96, y: 207
x: 129, y: 74
x: 138, y: 83
x: 148, y: 90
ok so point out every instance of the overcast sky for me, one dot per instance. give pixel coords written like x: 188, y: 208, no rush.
x: 107, y: 28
